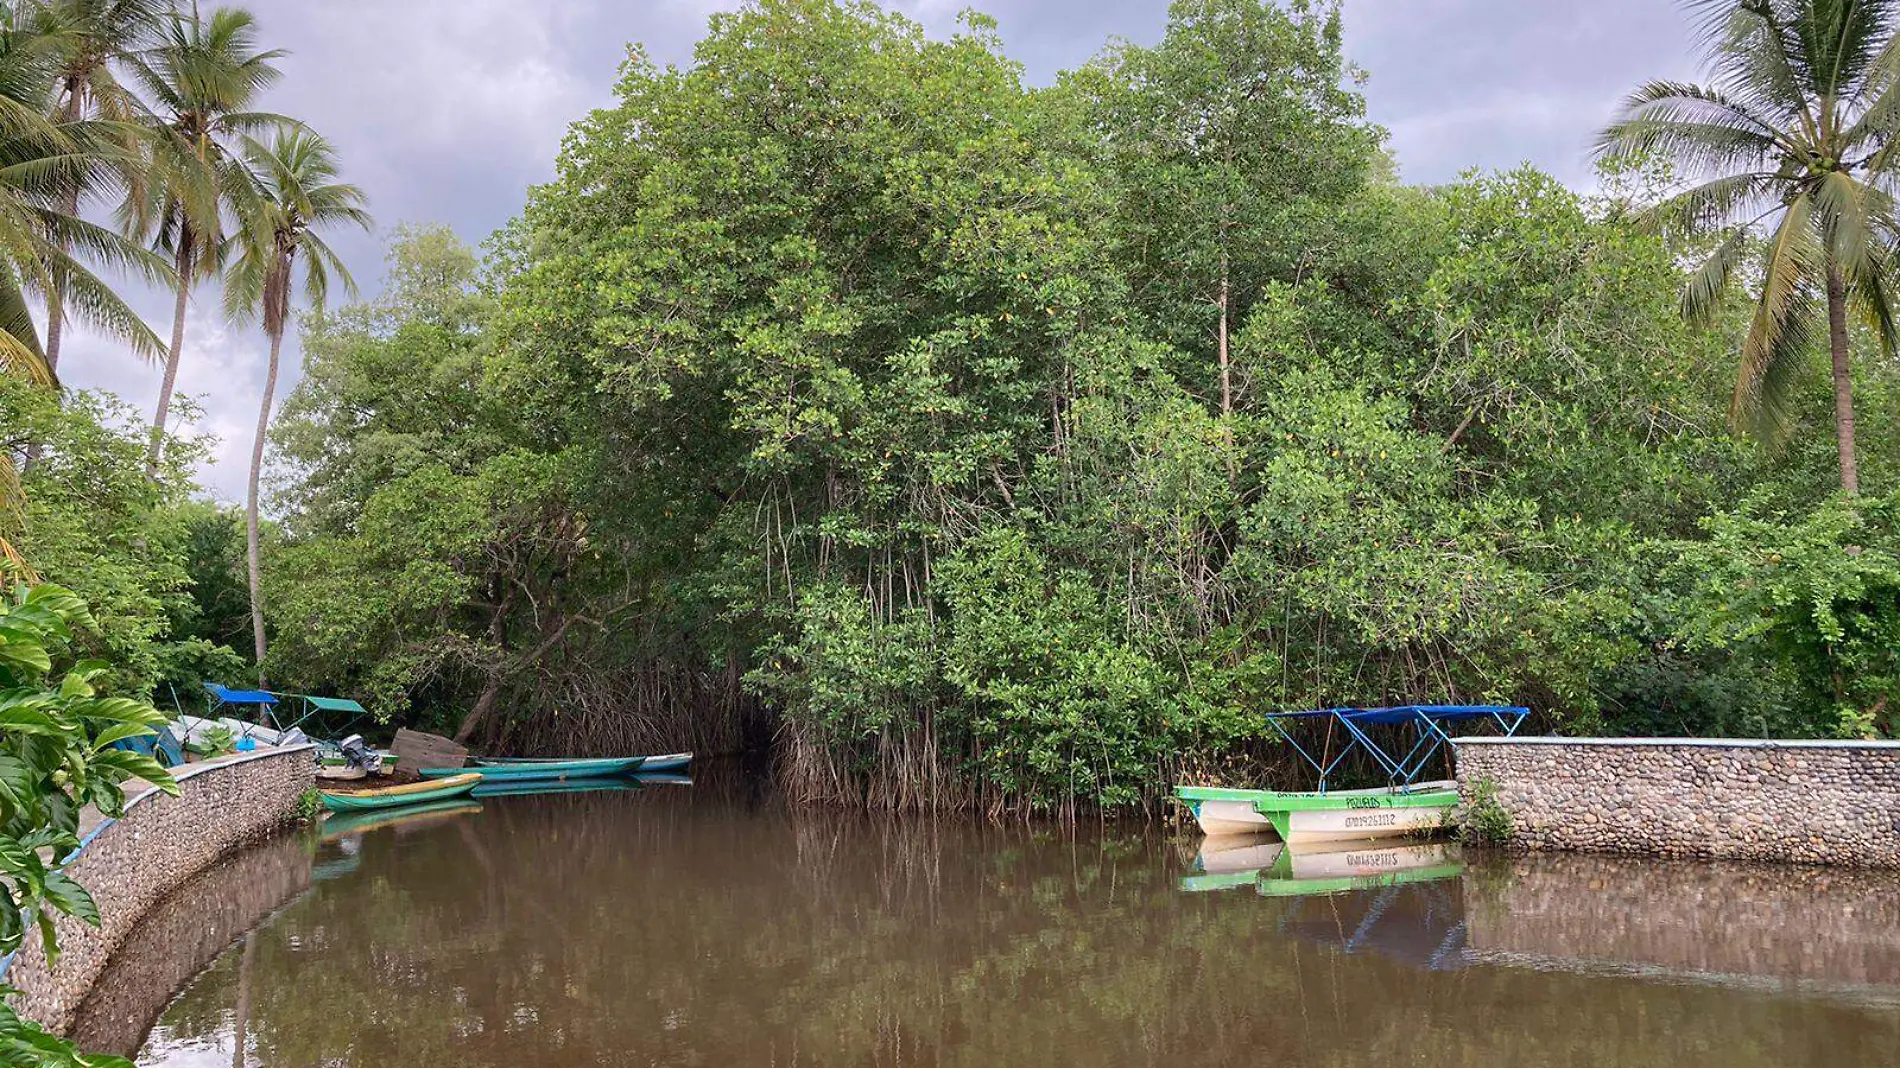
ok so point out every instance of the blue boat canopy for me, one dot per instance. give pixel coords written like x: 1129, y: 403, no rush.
x: 1386, y: 717
x: 1429, y: 736
x: 226, y: 695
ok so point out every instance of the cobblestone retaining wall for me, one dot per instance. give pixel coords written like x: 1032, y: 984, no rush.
x: 1807, y: 802
x: 132, y: 863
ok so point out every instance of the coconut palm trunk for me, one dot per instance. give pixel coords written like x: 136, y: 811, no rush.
x: 252, y: 539
x: 183, y: 263
x: 1843, y: 379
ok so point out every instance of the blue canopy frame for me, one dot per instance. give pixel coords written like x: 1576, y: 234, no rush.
x: 1429, y: 734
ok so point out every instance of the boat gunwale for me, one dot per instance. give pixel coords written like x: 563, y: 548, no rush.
x: 1431, y: 795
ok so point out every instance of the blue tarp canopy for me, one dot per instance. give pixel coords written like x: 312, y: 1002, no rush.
x: 1429, y: 736
x: 1397, y: 714
x: 228, y: 696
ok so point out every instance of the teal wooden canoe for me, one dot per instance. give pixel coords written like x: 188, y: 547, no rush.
x: 665, y: 762
x: 542, y: 769
x: 453, y: 784
x: 517, y: 788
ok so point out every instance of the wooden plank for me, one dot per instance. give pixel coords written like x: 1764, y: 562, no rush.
x: 419, y: 751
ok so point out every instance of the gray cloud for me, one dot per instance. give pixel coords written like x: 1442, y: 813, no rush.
x: 448, y: 110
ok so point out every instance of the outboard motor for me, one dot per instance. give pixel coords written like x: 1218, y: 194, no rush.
x: 356, y: 754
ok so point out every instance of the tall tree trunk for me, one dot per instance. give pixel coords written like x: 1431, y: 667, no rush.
x: 1843, y: 379
x: 183, y: 263
x: 250, y: 507
x: 491, y: 687
x: 56, y: 295
x: 1226, y: 375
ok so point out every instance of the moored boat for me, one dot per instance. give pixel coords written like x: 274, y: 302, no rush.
x: 1404, y: 807
x: 397, y: 796
x: 519, y: 788
x: 664, y: 762
x: 1341, y: 815
x: 542, y: 769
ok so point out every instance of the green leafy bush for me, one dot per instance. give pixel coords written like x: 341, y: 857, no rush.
x: 1486, y: 821
x: 56, y: 757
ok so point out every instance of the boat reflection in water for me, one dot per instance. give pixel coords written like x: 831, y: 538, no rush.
x: 1402, y: 901
x: 1276, y: 869
x: 1814, y: 932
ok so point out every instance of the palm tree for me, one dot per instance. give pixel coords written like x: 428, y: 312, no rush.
x: 1794, y: 137
x: 202, y: 77
x: 298, y: 194
x: 91, y: 37
x: 41, y: 162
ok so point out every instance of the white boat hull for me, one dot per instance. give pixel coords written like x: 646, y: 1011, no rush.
x: 1231, y: 817
x: 1349, y: 824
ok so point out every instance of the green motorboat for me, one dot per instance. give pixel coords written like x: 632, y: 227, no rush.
x: 455, y: 784
x: 542, y: 770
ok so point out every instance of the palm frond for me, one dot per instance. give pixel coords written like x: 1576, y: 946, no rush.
x: 1782, y: 328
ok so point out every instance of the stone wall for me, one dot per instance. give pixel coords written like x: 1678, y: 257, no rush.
x: 131, y: 864
x: 1807, y: 802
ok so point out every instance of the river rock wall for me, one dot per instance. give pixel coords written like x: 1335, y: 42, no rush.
x: 1805, y: 802
x: 132, y: 863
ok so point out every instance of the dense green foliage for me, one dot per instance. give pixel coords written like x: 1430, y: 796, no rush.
x: 56, y: 756
x: 1017, y: 447
x: 1010, y: 446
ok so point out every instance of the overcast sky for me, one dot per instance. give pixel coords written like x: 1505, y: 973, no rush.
x: 448, y: 110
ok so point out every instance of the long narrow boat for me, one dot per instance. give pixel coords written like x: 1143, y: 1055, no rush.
x: 519, y: 788
x: 437, y: 789
x: 543, y: 769
x: 664, y: 762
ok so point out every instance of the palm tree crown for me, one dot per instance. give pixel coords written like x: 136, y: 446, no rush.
x: 201, y: 79
x: 1793, y: 139
x: 297, y: 194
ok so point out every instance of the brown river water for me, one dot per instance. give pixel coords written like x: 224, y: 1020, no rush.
x: 709, y: 925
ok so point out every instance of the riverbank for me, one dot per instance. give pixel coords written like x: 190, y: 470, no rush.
x: 132, y: 863
x: 1810, y: 802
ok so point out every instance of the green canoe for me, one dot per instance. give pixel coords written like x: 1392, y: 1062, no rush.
x: 542, y: 769
x: 453, y: 785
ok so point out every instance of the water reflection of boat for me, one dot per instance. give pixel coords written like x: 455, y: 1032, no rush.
x: 1275, y: 869
x: 1307, y: 870
x: 1232, y: 860
x: 1420, y: 924
x: 552, y: 786
x: 340, y: 825
x: 663, y: 778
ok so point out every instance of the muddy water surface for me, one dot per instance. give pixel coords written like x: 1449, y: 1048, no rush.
x: 708, y: 925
